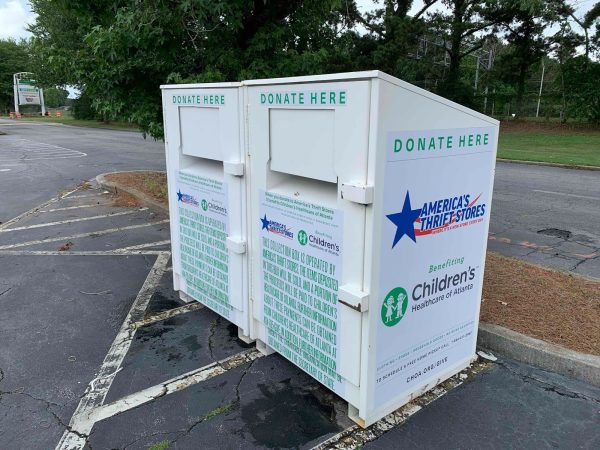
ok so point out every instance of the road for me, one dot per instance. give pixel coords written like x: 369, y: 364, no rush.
x: 92, y: 336
x: 39, y: 160
x: 546, y: 215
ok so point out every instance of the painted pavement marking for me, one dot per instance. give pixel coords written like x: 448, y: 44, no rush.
x: 67, y: 208
x: 35, y: 209
x: 169, y: 313
x: 81, y: 235
x: 67, y: 221
x: 173, y: 385
x: 78, y: 253
x: 81, y: 424
x: 566, y: 194
x: 140, y: 246
x: 28, y: 150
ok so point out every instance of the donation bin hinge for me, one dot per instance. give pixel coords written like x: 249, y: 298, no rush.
x: 234, y: 168
x: 357, y: 193
x: 353, y: 298
x: 236, y: 245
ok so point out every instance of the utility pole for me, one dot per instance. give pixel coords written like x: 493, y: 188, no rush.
x: 537, y: 112
x: 477, y: 73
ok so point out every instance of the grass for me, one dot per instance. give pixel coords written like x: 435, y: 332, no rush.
x: 68, y: 119
x: 580, y: 148
x: 162, y: 445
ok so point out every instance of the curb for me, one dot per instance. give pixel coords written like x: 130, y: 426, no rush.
x: 549, y: 164
x: 544, y: 355
x: 115, y: 187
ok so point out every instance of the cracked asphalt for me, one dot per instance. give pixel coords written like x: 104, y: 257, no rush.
x: 196, y: 385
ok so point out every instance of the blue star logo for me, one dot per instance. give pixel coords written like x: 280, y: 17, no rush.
x: 404, y: 221
x: 179, y: 196
x: 265, y: 223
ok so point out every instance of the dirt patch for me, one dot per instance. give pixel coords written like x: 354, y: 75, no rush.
x: 125, y: 200
x: 153, y: 184
x: 520, y: 126
x: 549, y: 305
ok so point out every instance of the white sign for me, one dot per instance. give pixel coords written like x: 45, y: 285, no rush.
x: 28, y: 93
x: 301, y: 266
x: 203, y: 228
x: 436, y: 202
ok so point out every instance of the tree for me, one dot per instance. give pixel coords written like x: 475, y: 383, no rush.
x: 55, y: 97
x: 14, y: 57
x: 120, y: 51
x: 525, y: 23
x: 467, y: 26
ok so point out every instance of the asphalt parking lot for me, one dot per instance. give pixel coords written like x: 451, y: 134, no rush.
x: 99, y: 353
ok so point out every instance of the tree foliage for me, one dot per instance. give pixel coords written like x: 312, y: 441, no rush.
x: 118, y: 52
x: 14, y: 57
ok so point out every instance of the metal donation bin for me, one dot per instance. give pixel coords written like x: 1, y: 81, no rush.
x: 207, y: 196
x: 370, y: 205
x: 364, y: 204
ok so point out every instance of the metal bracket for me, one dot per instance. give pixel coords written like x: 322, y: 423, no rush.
x: 236, y: 245
x: 234, y: 168
x: 353, y: 298
x: 357, y: 193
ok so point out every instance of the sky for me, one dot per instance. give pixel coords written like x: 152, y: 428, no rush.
x: 15, y: 15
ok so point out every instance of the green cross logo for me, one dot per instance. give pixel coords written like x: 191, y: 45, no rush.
x: 394, y: 306
x: 302, y: 237
x: 204, y: 205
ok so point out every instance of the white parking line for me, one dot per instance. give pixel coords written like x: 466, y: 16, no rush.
x: 81, y: 424
x: 82, y: 196
x: 81, y: 235
x: 95, y: 205
x: 64, y: 222
x: 140, y: 246
x: 5, y: 170
x: 81, y: 253
x: 173, y: 385
x: 35, y: 209
x: 169, y: 313
x: 566, y: 194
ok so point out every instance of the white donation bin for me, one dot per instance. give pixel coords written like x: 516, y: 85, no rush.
x: 204, y: 140
x: 370, y: 205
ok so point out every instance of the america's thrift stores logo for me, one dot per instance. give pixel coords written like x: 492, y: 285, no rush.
x: 186, y: 198
x: 275, y: 227
x: 436, y: 216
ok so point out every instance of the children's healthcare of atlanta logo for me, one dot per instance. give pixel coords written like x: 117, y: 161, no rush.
x: 437, y: 216
x: 186, y: 198
x: 394, y: 306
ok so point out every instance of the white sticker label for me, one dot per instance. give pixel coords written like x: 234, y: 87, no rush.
x: 203, y: 230
x: 434, y: 235
x: 301, y: 267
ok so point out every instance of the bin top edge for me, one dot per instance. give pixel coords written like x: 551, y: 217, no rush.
x: 332, y: 77
x: 230, y: 84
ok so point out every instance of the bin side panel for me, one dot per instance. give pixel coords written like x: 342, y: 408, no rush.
x: 305, y: 140
x: 435, y: 167
x: 207, y: 205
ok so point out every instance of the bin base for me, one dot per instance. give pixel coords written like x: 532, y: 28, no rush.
x: 353, y: 412
x: 243, y: 337
x: 264, y: 348
x: 185, y: 298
